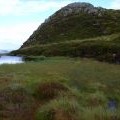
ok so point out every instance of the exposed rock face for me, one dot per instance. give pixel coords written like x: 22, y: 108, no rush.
x: 76, y: 8
x: 74, y: 21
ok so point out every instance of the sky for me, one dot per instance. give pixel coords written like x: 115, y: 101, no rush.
x: 19, y: 18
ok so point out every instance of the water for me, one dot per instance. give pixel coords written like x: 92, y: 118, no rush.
x: 10, y: 60
x: 112, y: 105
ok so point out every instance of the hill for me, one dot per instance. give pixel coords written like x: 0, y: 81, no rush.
x: 77, y: 30
x: 3, y: 52
x: 76, y: 21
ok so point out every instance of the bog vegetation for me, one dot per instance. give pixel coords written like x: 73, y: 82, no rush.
x: 104, y: 48
x: 60, y: 88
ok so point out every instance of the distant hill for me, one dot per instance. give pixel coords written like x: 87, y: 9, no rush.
x: 4, y: 51
x: 77, y: 30
x: 76, y: 21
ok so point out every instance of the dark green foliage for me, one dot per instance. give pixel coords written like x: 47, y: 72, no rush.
x: 45, y: 115
x: 102, y: 48
x: 34, y: 58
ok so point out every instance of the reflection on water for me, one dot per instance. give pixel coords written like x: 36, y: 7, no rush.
x: 10, y: 60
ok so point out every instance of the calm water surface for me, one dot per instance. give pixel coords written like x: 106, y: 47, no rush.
x: 10, y: 60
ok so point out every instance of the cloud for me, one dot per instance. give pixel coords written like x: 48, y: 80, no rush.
x: 21, y: 7
x: 7, y: 6
x: 13, y: 35
x: 115, y: 4
x: 16, y: 34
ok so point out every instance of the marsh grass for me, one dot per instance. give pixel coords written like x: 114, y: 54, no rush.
x: 61, y: 109
x: 100, y: 113
x: 49, y: 90
x: 75, y: 88
x: 15, y: 103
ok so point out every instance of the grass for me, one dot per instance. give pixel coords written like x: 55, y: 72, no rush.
x: 101, y: 48
x: 71, y: 88
x: 101, y: 113
x: 59, y: 109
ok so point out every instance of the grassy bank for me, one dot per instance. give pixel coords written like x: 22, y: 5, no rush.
x: 101, y: 48
x: 60, y: 88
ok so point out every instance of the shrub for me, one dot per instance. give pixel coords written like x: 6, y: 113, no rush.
x: 34, y: 58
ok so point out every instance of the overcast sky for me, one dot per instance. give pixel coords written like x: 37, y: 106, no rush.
x: 19, y: 18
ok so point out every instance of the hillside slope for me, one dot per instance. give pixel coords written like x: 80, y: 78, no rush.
x: 101, y: 48
x: 76, y: 21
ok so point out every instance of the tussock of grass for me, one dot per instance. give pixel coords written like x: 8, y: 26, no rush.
x: 59, y: 109
x: 34, y: 58
x: 49, y: 90
x: 16, y: 102
x: 96, y: 99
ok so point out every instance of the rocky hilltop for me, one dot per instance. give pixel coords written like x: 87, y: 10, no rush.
x: 77, y: 8
x: 76, y: 21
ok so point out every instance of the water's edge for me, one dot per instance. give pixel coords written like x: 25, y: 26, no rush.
x: 7, y: 59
